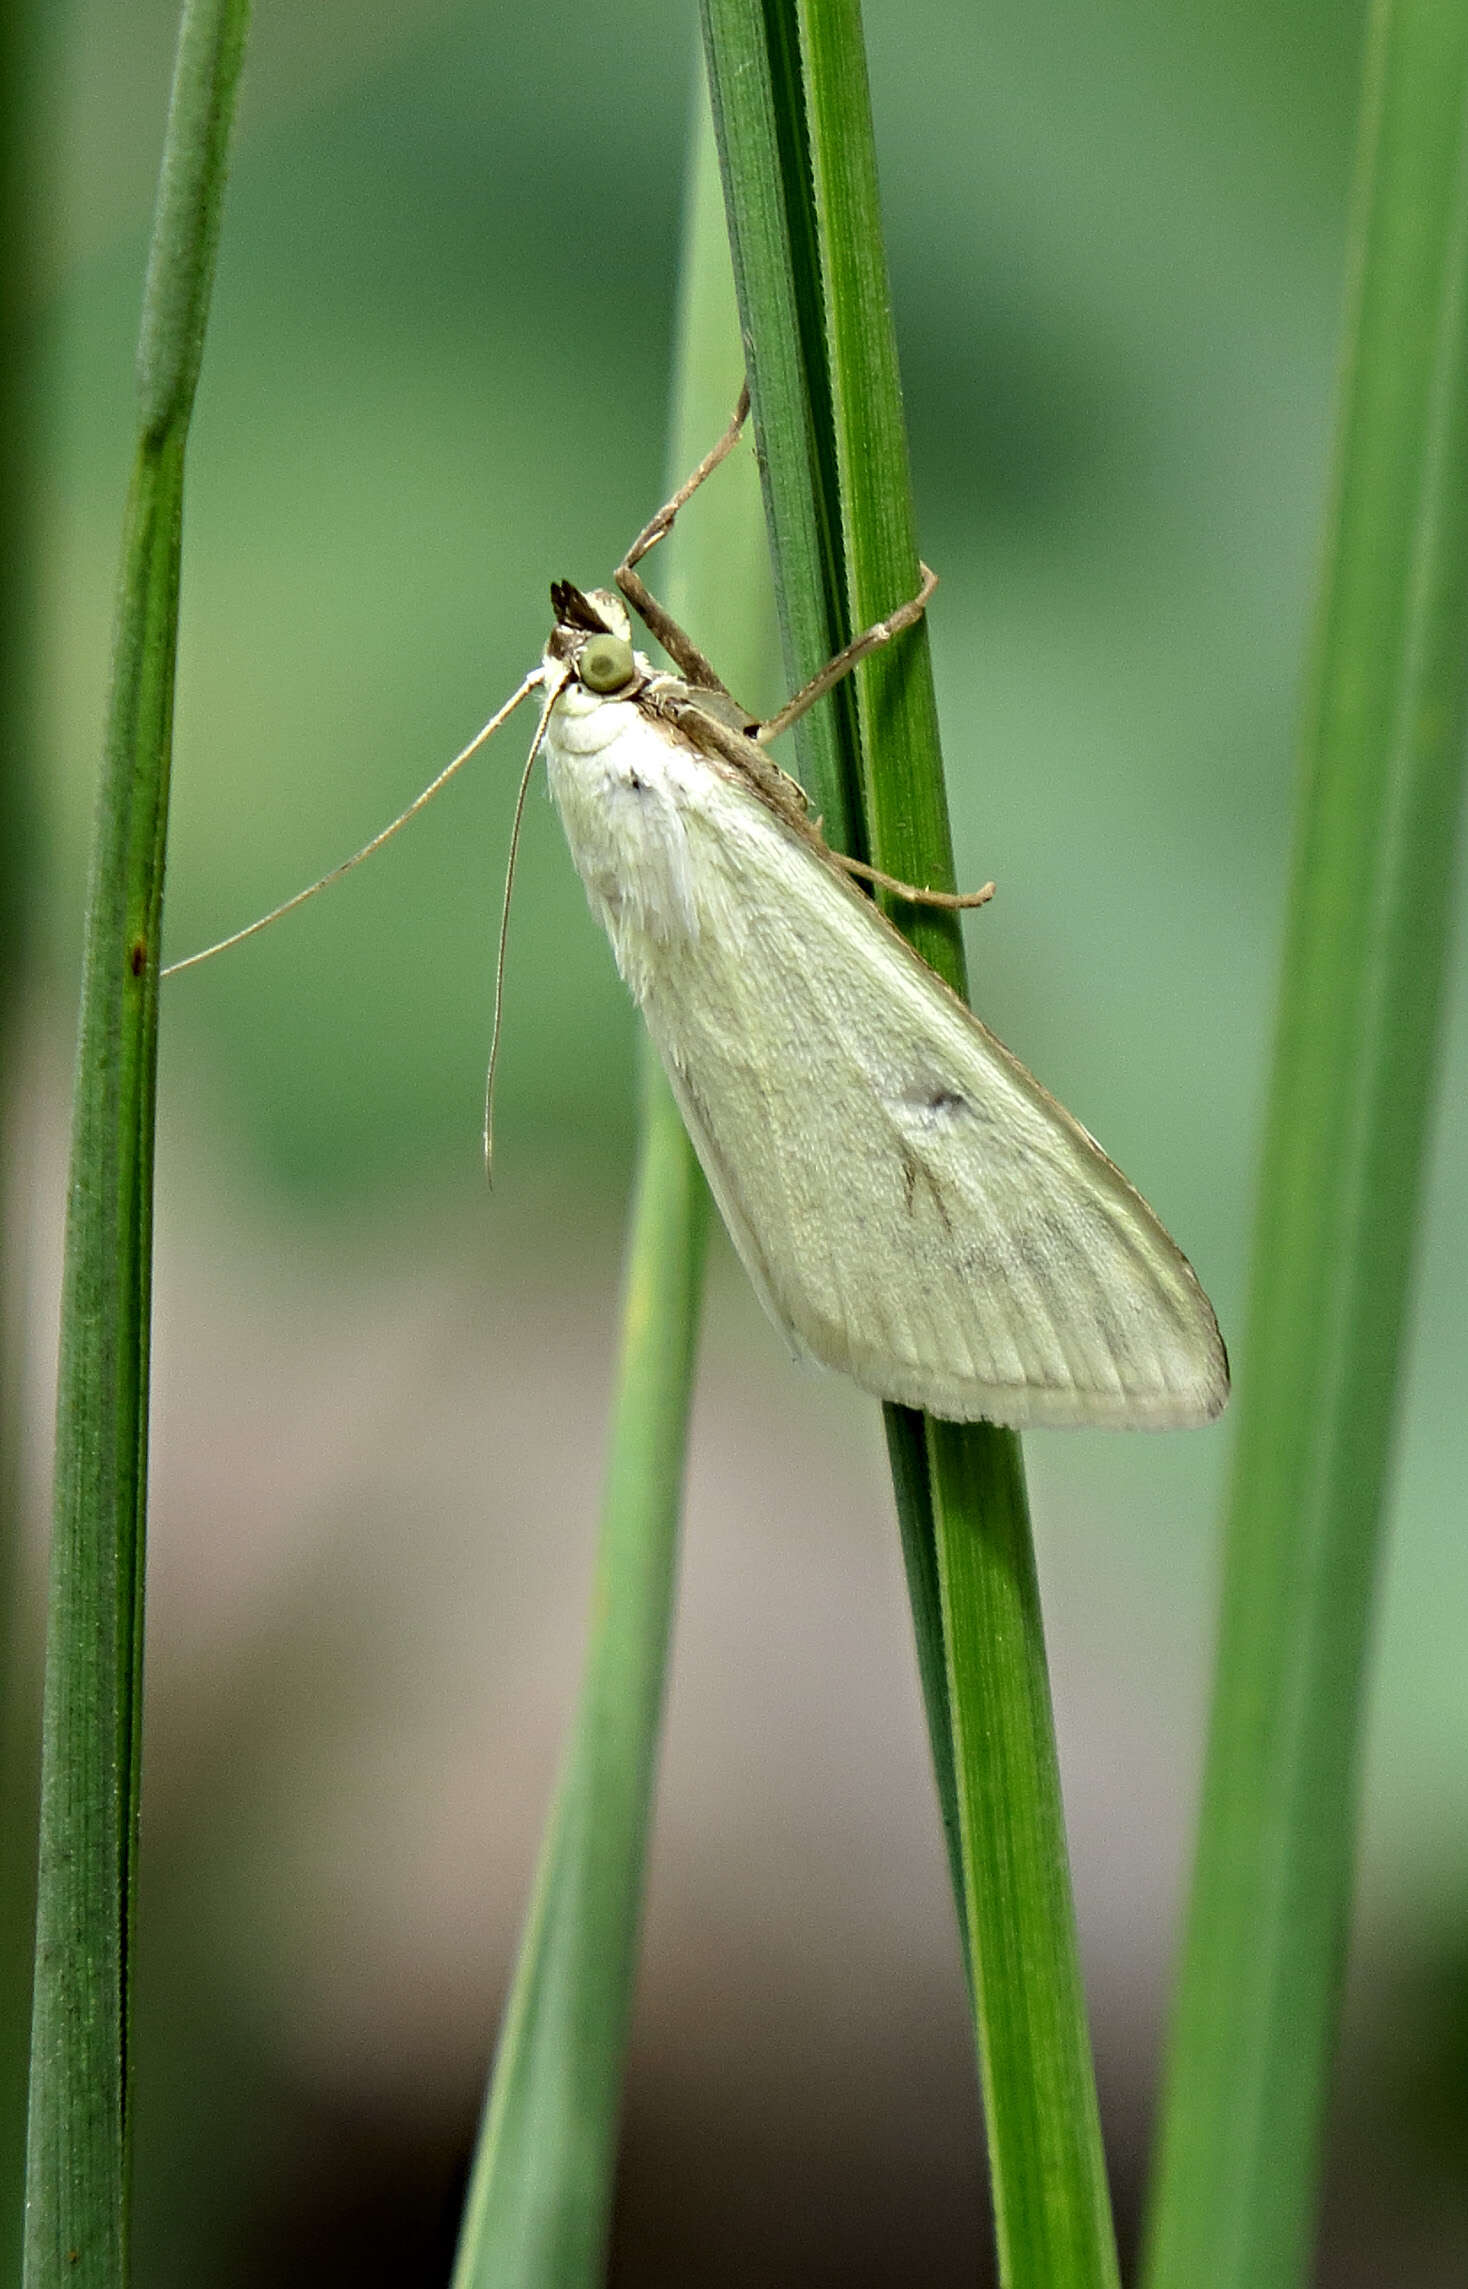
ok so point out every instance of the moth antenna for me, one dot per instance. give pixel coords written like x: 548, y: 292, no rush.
x: 191, y: 961
x: 553, y: 683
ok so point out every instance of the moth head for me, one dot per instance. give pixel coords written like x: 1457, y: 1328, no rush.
x: 593, y: 635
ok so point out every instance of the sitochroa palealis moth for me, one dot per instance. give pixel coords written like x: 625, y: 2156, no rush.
x: 912, y: 1208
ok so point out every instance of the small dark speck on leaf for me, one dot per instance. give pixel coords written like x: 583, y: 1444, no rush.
x: 137, y: 959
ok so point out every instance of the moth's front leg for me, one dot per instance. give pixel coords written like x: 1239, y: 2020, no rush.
x: 676, y: 642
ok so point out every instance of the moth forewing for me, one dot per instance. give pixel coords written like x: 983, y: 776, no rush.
x: 911, y: 1206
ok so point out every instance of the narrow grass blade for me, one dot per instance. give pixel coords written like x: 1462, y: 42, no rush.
x: 753, y: 64
x: 541, y: 2192
x: 20, y: 194
x: 795, y: 134
x: 80, y: 2130
x: 1382, y: 769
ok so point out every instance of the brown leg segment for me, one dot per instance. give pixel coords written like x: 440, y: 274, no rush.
x: 679, y: 646
x: 870, y: 640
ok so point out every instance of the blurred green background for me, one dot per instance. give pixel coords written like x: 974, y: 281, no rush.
x: 436, y: 378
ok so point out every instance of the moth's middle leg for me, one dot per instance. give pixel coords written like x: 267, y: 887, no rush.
x: 870, y: 640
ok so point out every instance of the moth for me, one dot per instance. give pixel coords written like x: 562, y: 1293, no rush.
x: 912, y: 1207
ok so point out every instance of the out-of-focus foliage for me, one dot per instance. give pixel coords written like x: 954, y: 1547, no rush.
x: 436, y: 378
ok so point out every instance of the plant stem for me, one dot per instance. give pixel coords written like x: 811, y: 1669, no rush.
x: 794, y: 121
x: 80, y: 2115
x: 22, y: 191
x: 540, y: 2197
x: 1382, y: 758
x: 541, y: 2194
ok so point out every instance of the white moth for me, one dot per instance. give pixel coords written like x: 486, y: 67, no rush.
x: 910, y: 1204
x: 912, y: 1207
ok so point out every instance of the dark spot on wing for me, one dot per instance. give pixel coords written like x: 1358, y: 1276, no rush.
x: 936, y: 1101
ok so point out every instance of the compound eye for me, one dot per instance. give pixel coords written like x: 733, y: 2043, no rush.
x: 605, y: 663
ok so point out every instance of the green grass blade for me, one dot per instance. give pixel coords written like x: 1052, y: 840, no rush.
x: 960, y: 1492
x: 1052, y: 2209
x: 759, y: 120
x: 1382, y: 767
x: 541, y: 2192
x: 912, y: 1491
x: 79, y: 2131
x: 20, y: 193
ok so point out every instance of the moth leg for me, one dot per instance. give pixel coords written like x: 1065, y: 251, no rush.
x: 870, y: 640
x: 679, y: 646
x: 949, y: 899
x: 776, y: 789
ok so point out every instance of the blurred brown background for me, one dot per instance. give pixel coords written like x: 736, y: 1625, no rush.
x: 436, y: 377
